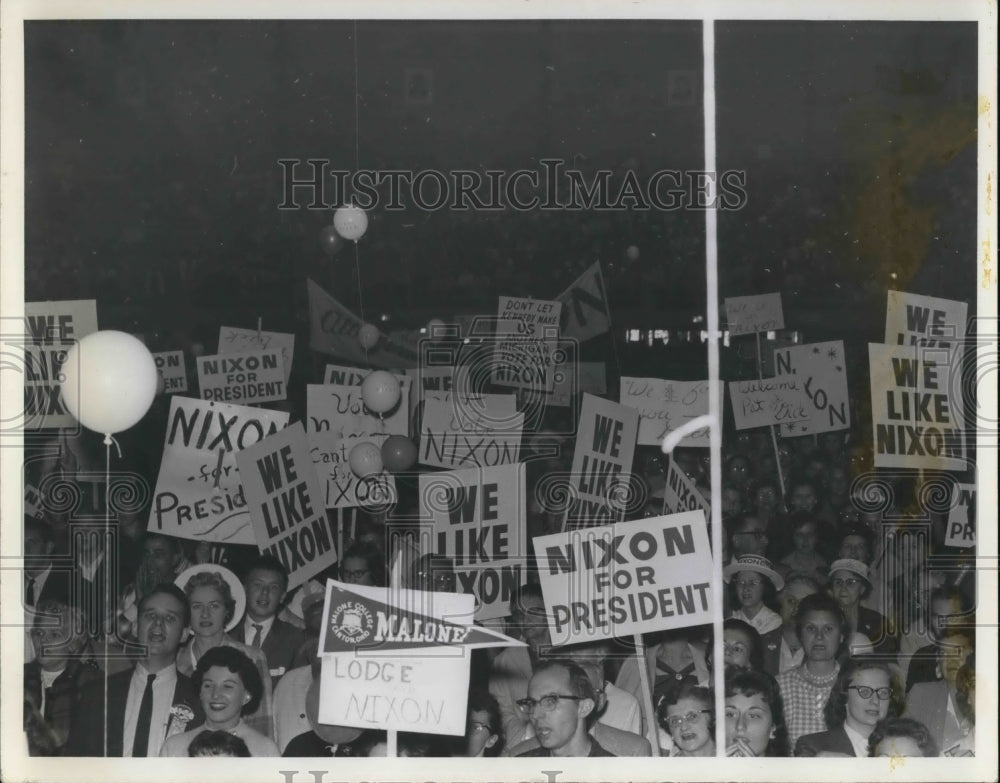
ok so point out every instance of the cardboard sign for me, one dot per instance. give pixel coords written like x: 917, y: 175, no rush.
x: 333, y: 329
x: 912, y: 319
x: 766, y: 401
x: 751, y: 314
x: 822, y: 370
x: 436, y: 382
x: 916, y: 420
x: 616, y: 580
x: 525, y: 360
x: 471, y: 432
x: 570, y: 377
x: 336, y: 421
x: 338, y: 374
x: 398, y: 659
x: 585, y: 306
x: 479, y: 522
x: 681, y: 493
x: 198, y: 490
x: 664, y: 406
x: 251, y: 377
x: 232, y: 339
x: 51, y: 330
x: 962, y: 517
x: 170, y: 365
x: 286, y: 504
x: 33, y: 505
x: 605, y: 444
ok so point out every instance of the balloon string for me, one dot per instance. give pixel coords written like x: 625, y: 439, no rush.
x: 109, y: 439
x: 357, y: 165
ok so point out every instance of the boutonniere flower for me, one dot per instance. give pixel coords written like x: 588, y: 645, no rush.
x: 180, y: 716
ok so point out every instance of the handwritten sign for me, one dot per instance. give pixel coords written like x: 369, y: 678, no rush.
x: 751, y: 314
x: 916, y: 418
x: 585, y: 306
x: 681, y: 493
x: 232, y: 339
x: 333, y: 329
x: 665, y: 406
x: 525, y: 360
x: 766, y: 401
x: 51, y: 330
x: 912, y: 319
x: 962, y: 517
x: 605, y: 445
x: 198, y: 491
x: 469, y: 431
x: 639, y: 576
x: 336, y: 421
x: 170, y: 365
x: 479, y: 522
x: 256, y: 376
x: 822, y: 371
x: 398, y: 659
x: 285, y: 502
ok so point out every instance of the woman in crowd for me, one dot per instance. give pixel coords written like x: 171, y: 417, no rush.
x: 764, y: 498
x: 895, y: 737
x: 849, y: 584
x: 804, y: 557
x: 748, y: 537
x: 230, y: 687
x: 935, y: 704
x: 218, y: 743
x: 363, y: 563
x: 865, y: 693
x: 755, y: 719
x: 823, y: 633
x: 217, y: 599
x: 754, y: 585
x: 741, y: 645
x: 484, y: 729
x: 789, y: 653
x: 687, y: 712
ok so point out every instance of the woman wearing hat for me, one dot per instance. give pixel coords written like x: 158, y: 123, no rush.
x: 754, y: 584
x: 217, y: 600
x: 849, y: 584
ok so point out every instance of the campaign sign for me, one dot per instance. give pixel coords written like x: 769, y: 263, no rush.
x: 629, y: 578
x: 665, y: 406
x: 962, y: 517
x: 822, y: 372
x: 751, y: 314
x: 912, y: 319
x: 250, y: 377
x: 916, y: 421
x: 232, y: 339
x: 585, y: 306
x: 479, y: 522
x: 436, y: 382
x: 51, y: 330
x: 286, y: 504
x: 762, y: 402
x: 337, y: 421
x: 681, y: 493
x: 398, y: 659
x: 170, y: 365
x: 198, y: 491
x: 32, y: 502
x: 469, y: 431
x: 525, y: 360
x: 605, y: 444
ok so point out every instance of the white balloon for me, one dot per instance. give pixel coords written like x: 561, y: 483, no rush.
x: 350, y: 222
x: 109, y: 381
x: 368, y: 336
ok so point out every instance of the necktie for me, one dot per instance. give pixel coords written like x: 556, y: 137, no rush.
x: 257, y: 628
x: 29, y: 594
x: 140, y: 744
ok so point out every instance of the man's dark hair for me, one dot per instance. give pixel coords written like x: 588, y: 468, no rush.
x: 218, y: 743
x: 747, y: 682
x: 903, y: 727
x: 269, y: 563
x: 481, y: 700
x: 168, y: 588
x: 235, y: 661
x: 374, y: 558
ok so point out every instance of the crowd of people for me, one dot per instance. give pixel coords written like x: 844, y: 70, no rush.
x: 842, y: 637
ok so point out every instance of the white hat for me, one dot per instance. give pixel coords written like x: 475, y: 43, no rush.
x: 235, y: 587
x: 757, y: 564
x: 849, y: 564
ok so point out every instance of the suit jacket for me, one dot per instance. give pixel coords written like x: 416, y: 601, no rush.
x: 615, y: 741
x: 86, y: 733
x: 927, y: 702
x: 923, y: 666
x: 280, y: 646
x: 60, y: 702
x: 835, y: 740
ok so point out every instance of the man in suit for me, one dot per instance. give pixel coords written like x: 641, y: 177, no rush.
x: 148, y: 703
x: 934, y: 703
x: 266, y: 583
x: 949, y: 608
x: 41, y: 582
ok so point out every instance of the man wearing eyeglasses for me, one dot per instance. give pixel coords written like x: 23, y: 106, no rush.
x: 560, y: 705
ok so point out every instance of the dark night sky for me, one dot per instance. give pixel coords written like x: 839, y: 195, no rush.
x: 152, y: 147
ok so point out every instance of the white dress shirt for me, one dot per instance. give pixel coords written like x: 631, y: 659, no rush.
x: 163, y: 699
x: 859, y: 742
x: 249, y: 630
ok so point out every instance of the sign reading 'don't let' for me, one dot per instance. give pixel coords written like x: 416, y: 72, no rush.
x: 751, y: 314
